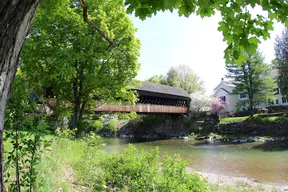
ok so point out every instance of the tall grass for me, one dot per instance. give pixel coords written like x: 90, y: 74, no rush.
x: 56, y: 167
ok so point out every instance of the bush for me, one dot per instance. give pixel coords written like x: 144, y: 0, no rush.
x: 98, y: 124
x: 127, y: 116
x: 112, y: 125
x: 138, y: 170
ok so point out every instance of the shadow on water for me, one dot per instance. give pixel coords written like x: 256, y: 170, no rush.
x: 270, y: 146
x: 125, y: 141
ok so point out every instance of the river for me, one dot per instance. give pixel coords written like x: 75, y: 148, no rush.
x: 256, y: 161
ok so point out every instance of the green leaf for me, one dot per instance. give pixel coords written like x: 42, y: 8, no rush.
x: 251, y: 48
x: 253, y: 40
x: 183, y: 11
x: 169, y: 4
x: 272, y: 16
x: 236, y: 55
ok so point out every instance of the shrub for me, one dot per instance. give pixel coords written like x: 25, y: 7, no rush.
x: 112, y: 125
x: 127, y: 116
x: 138, y: 170
x: 98, y: 124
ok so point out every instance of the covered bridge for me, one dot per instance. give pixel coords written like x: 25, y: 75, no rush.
x: 154, y: 98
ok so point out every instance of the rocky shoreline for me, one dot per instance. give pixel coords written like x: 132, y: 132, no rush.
x: 226, y: 139
x: 241, y: 139
x: 223, y: 181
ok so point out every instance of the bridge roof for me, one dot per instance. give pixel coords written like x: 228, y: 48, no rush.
x: 162, y: 89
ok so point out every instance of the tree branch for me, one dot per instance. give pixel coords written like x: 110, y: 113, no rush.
x: 93, y: 25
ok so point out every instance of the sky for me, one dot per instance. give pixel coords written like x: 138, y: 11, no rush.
x: 169, y: 40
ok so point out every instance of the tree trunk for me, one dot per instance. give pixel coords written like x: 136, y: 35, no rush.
x: 251, y: 108
x: 250, y: 89
x: 15, y: 19
x: 76, y: 114
x: 77, y: 103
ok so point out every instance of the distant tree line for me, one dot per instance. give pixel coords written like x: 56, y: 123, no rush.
x: 181, y: 76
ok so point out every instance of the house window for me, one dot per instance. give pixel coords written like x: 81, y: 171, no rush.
x: 242, y: 95
x: 284, y: 100
x: 276, y: 91
x: 223, y: 99
x: 276, y: 101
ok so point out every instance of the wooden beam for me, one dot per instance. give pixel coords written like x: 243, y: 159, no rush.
x: 142, y: 108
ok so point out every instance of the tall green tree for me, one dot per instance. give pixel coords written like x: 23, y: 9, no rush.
x: 254, y: 80
x: 184, y: 77
x: 74, y: 61
x: 281, y: 53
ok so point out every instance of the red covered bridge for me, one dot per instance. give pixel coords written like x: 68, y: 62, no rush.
x: 154, y: 98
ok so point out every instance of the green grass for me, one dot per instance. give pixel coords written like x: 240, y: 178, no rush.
x: 229, y: 120
x: 255, y: 119
x: 56, y: 167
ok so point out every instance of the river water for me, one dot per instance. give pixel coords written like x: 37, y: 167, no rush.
x: 266, y: 163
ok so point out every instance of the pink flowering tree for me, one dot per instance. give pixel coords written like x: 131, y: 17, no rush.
x: 216, y: 105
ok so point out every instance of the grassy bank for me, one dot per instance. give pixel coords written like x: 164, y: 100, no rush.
x: 255, y: 119
x: 74, y: 165
x: 83, y: 165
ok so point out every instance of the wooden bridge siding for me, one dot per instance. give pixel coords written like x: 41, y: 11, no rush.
x: 161, y: 100
x: 143, y: 108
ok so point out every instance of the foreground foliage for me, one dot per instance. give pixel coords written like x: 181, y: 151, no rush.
x: 81, y: 165
x: 138, y: 170
x: 25, y: 130
x: 241, y: 29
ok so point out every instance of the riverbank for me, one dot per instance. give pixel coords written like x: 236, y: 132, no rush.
x: 71, y: 165
x: 231, y: 129
x: 258, y: 125
x: 220, y: 183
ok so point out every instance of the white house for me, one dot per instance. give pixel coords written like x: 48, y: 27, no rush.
x: 224, y: 92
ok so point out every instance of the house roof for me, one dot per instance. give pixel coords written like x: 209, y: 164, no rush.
x: 226, y: 84
x: 162, y: 89
x: 225, y: 90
